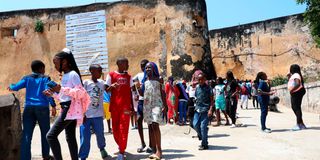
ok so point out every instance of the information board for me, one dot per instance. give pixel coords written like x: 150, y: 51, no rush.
x: 86, y: 37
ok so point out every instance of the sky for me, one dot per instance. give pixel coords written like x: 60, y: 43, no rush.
x: 221, y: 13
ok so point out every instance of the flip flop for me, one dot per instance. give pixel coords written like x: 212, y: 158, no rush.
x: 153, y: 156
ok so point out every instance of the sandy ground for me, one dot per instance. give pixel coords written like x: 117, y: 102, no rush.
x: 242, y: 143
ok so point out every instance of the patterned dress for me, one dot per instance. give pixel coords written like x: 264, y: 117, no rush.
x: 152, y: 106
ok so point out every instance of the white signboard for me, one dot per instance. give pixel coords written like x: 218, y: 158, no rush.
x: 86, y: 37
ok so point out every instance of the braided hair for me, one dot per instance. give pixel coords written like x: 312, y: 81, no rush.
x: 67, y: 55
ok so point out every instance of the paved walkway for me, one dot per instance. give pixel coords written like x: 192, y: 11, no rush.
x: 225, y: 143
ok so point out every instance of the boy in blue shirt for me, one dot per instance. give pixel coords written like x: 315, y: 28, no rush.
x: 36, y: 109
x: 203, y: 110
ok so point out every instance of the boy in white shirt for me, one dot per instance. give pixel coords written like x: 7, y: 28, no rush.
x: 94, y: 115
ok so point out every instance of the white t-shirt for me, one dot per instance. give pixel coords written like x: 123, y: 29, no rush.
x: 70, y: 79
x: 191, y: 91
x: 108, y: 80
x: 95, y: 91
x: 139, y: 77
x: 291, y: 82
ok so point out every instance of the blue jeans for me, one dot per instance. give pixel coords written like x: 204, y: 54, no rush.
x: 200, y: 123
x: 264, y: 113
x: 32, y: 115
x: 85, y: 135
x: 182, y: 111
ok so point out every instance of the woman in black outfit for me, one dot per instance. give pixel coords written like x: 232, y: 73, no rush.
x: 297, y: 91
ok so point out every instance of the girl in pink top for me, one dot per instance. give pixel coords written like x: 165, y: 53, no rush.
x: 74, y: 101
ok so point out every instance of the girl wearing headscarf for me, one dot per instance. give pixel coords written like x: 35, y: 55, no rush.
x: 154, y: 106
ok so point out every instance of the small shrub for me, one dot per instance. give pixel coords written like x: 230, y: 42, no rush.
x: 279, y: 80
x: 39, y: 27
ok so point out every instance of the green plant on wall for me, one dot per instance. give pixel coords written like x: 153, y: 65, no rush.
x: 279, y: 80
x: 39, y: 27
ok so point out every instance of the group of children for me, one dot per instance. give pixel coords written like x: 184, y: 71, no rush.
x: 82, y: 104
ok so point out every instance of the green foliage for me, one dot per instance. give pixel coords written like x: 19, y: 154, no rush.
x: 279, y: 80
x: 311, y: 16
x: 39, y: 27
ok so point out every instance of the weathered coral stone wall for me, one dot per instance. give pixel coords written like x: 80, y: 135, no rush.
x: 270, y: 46
x: 172, y: 33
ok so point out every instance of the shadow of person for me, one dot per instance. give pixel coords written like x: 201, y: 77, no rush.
x: 218, y: 135
x: 132, y: 156
x: 281, y: 130
x: 313, y: 128
x: 174, y: 150
x: 223, y: 148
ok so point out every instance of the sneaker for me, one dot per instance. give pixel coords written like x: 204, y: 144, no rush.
x: 120, y: 156
x: 267, y: 130
x: 104, y: 153
x: 233, y: 126
x: 203, y: 147
x: 302, y: 126
x: 149, y: 150
x: 296, y: 128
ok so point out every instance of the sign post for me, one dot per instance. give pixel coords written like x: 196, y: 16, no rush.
x: 86, y: 37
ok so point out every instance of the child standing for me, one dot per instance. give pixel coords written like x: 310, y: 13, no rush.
x: 172, y: 94
x: 203, y: 110
x: 220, y: 101
x: 119, y: 83
x: 154, y: 102
x: 36, y: 109
x: 244, y: 95
x: 182, y: 105
x: 297, y: 91
x: 231, y: 97
x: 74, y: 101
x: 263, y: 98
x: 94, y: 114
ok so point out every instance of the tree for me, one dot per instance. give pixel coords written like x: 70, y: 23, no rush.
x: 311, y: 16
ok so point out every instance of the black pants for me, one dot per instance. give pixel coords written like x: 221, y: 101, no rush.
x: 231, y: 108
x: 69, y: 126
x: 296, y: 100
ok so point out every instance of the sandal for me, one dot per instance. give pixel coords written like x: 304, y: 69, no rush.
x: 154, y: 156
x: 141, y: 149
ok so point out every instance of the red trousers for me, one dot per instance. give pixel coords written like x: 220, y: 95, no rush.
x: 120, y: 128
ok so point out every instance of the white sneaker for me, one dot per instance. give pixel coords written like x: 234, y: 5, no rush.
x: 296, y: 128
x: 233, y: 126
x: 120, y: 156
x: 266, y: 130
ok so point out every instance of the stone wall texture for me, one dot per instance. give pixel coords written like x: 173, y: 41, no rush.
x: 310, y: 101
x: 172, y: 33
x: 270, y: 46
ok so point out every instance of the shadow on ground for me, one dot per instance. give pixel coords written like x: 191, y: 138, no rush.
x: 313, y: 128
x: 167, y: 154
x: 175, y: 154
x: 218, y: 135
x: 281, y: 130
x: 223, y: 148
